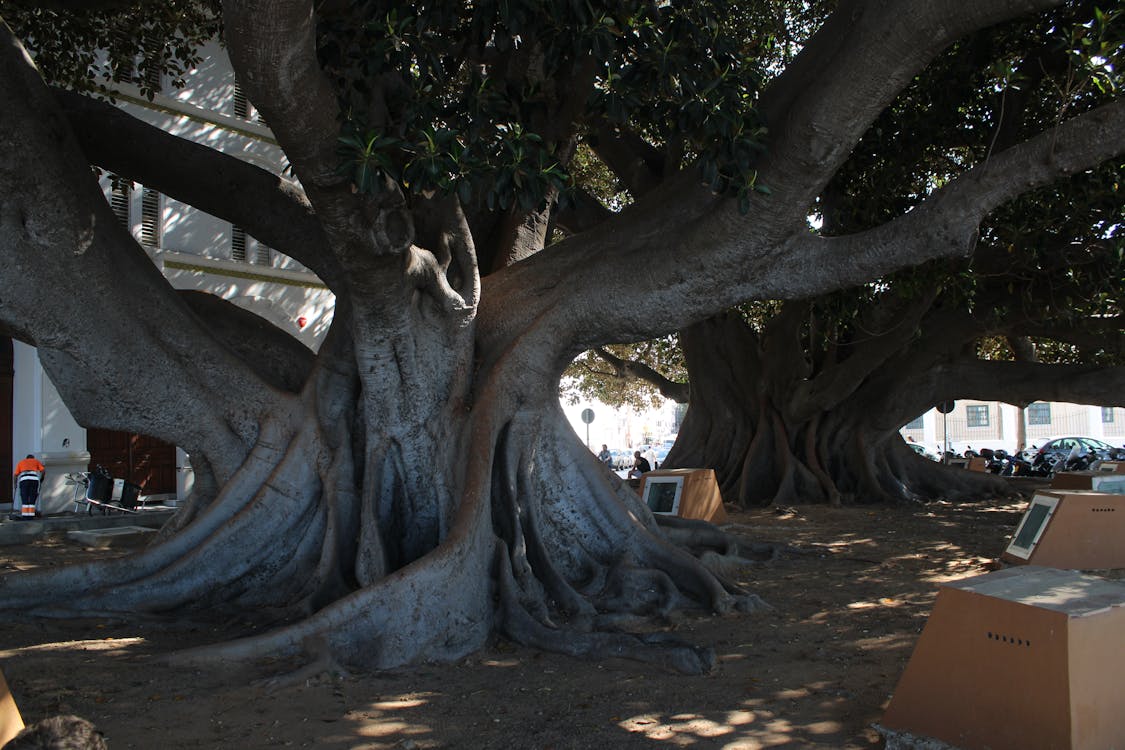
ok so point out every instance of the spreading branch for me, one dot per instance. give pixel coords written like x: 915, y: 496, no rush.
x: 272, y: 209
x: 623, y: 368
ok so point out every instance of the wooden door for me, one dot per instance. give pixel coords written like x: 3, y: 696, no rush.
x: 7, y: 378
x: 140, y: 459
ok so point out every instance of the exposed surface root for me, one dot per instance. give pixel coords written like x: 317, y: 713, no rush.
x: 578, y: 557
x: 318, y: 661
x: 659, y: 649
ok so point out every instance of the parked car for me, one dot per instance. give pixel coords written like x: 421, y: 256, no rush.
x: 1051, y: 455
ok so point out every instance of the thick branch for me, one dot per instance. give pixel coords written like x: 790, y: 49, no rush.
x: 1029, y: 381
x: 278, y: 358
x: 837, y: 88
x: 946, y: 223
x: 585, y: 213
x: 689, y: 255
x: 670, y: 389
x: 1107, y: 334
x: 637, y: 164
x: 272, y: 209
x: 838, y: 380
x: 273, y: 49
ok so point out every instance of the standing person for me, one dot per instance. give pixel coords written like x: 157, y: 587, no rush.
x: 604, y: 455
x: 640, y: 465
x: 28, y: 475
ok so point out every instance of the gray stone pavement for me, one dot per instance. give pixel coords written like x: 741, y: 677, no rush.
x: 22, y: 531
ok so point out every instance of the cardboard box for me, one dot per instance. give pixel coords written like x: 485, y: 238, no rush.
x: 10, y: 720
x: 688, y: 493
x: 1080, y: 529
x: 1026, y: 657
x: 1102, y: 481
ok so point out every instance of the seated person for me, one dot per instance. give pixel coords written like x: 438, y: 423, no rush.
x: 640, y: 465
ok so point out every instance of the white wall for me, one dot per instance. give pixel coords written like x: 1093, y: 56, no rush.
x: 42, y: 425
x: 1003, y: 429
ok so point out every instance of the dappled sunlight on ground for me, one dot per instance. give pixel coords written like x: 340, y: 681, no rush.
x: 391, y: 718
x: 108, y: 646
x: 850, y: 594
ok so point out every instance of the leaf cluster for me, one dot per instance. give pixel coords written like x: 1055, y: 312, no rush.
x: 591, y: 377
x: 486, y: 99
x: 90, y: 48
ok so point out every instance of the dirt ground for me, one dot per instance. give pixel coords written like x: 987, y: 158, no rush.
x: 817, y: 671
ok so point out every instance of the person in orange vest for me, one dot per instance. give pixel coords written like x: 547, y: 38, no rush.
x: 28, y: 475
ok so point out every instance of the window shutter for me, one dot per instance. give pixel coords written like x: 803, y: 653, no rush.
x: 151, y: 224
x: 238, y: 243
x: 119, y: 202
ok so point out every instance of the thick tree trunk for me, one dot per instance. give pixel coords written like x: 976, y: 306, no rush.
x: 381, y: 544
x: 766, y: 446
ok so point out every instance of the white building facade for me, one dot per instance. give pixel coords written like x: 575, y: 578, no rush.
x: 194, y: 251
x: 996, y: 425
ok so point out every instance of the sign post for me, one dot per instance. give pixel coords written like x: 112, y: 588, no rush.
x: 587, y: 417
x: 945, y: 407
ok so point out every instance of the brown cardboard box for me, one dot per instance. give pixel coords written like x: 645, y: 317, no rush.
x: 977, y: 463
x: 688, y: 493
x: 1026, y: 657
x: 1103, y: 481
x: 1079, y: 529
x: 10, y: 720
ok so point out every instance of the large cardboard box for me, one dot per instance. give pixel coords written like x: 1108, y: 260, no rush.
x: 10, y: 720
x: 1102, y: 481
x: 1027, y: 657
x: 977, y: 463
x: 688, y: 493
x: 1079, y: 529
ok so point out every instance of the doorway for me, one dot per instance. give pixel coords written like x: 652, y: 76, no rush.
x: 140, y: 459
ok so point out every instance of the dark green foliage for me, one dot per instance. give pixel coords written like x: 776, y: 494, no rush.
x: 497, y: 91
x: 147, y: 39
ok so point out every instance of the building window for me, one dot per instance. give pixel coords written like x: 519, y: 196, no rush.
x: 237, y: 243
x: 914, y: 424
x: 976, y: 416
x: 1107, y: 415
x: 154, y: 80
x: 119, y: 201
x: 241, y: 104
x: 1039, y: 414
x: 151, y: 225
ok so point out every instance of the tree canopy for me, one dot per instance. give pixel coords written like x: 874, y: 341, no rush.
x: 1048, y: 264
x: 418, y: 490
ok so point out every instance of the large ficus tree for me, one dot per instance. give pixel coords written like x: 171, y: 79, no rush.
x: 414, y: 487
